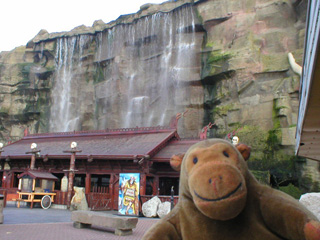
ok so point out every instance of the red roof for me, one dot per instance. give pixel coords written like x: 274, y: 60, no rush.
x: 174, y: 147
x: 106, y: 144
x: 39, y: 174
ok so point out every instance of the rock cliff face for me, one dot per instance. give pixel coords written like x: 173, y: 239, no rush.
x: 223, y: 62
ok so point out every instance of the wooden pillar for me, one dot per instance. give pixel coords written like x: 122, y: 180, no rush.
x: 112, y: 196
x: 6, y: 179
x: 33, y: 152
x: 71, y: 173
x: 143, y: 181
x: 88, y: 183
x: 71, y: 177
x: 156, y: 186
x: 33, y: 185
x: 33, y: 161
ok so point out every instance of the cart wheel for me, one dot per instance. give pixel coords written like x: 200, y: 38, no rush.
x: 46, y: 202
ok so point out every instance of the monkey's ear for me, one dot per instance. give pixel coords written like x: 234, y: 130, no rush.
x: 244, y: 150
x: 176, y: 160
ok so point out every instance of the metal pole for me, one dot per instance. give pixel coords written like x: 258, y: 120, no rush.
x: 1, y: 150
x: 172, y: 199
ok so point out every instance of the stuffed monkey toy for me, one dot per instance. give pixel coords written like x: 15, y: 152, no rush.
x: 219, y: 199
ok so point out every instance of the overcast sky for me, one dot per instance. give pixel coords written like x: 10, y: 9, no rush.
x: 21, y: 20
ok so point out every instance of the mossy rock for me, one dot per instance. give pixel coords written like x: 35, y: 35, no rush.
x: 291, y: 190
x: 25, y: 70
x: 216, y: 63
x: 99, y: 74
x: 262, y: 176
x: 275, y: 62
x: 222, y: 110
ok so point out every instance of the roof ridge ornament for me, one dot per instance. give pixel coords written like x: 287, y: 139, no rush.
x: 203, y: 133
x: 175, y: 119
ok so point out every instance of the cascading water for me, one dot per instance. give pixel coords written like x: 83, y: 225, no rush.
x: 148, y: 62
x: 138, y: 74
x: 64, y: 108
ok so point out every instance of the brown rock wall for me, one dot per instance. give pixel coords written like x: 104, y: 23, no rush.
x: 228, y: 65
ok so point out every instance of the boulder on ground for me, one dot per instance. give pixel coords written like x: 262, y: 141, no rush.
x: 312, y: 202
x: 163, y: 209
x: 150, y: 208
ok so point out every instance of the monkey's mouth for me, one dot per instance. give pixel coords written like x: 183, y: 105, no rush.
x: 221, y: 198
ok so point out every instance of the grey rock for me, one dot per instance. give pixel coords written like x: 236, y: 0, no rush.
x: 163, y: 209
x: 312, y: 202
x: 150, y: 208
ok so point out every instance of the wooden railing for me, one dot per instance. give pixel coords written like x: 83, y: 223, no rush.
x: 96, y: 189
x: 61, y: 197
x: 99, y: 201
x: 10, y: 194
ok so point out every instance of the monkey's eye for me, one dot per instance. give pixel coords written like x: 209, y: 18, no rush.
x: 195, y: 160
x: 225, y: 154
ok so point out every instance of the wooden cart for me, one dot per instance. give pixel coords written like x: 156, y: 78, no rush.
x: 36, y: 186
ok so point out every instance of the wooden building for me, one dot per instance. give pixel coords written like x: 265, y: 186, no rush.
x: 101, y: 156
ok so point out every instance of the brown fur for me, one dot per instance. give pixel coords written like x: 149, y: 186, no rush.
x: 220, y: 199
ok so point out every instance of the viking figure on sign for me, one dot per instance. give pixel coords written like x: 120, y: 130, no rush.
x: 130, y: 195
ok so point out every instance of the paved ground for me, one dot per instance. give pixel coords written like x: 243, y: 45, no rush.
x: 52, y: 224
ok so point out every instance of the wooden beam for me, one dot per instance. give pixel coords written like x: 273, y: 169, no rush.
x: 143, y: 184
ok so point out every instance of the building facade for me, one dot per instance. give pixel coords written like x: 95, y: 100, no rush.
x: 100, y: 157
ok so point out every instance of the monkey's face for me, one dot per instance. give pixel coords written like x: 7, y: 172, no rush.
x: 215, y: 178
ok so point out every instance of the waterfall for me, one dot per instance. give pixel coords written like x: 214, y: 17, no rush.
x: 136, y: 74
x: 149, y: 61
x: 65, y: 93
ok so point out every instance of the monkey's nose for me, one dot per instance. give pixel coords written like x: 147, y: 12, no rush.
x: 214, y: 181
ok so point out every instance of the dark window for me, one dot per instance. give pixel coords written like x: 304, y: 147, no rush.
x: 16, y: 179
x: 100, y: 183
x: 57, y: 185
x: 149, y: 186
x: 165, y: 184
x: 79, y: 180
x: 38, y: 183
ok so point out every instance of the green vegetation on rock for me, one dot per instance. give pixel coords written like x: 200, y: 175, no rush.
x: 215, y: 63
x: 268, y: 157
x: 262, y: 176
x: 291, y: 190
x: 99, y: 75
x: 223, y: 109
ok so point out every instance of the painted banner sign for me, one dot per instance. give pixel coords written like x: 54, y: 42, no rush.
x: 129, y: 185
